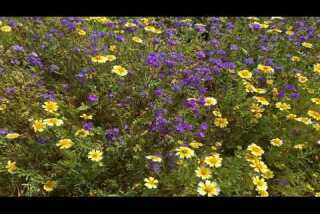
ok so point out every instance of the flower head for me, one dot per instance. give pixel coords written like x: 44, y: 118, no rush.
x: 184, y: 152
x: 119, y: 70
x: 208, y: 188
x: 203, y: 173
x: 276, y: 142
x: 214, y: 160
x: 95, y: 155
x: 11, y: 136
x: 255, y: 150
x: 65, y: 143
x: 49, y: 186
x: 50, y: 106
x: 151, y: 183
x: 245, y: 74
x: 11, y: 166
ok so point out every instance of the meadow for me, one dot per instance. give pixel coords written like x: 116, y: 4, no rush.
x: 160, y: 106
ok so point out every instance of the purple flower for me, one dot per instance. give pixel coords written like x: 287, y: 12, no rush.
x: 234, y: 47
x: 281, y: 94
x: 248, y: 61
x: 201, y: 55
x: 158, y: 92
x: 182, y: 126
x: 203, y: 126
x: 295, y: 95
x: 3, y: 131
x: 112, y: 134
x: 18, y: 48
x: 155, y: 167
x: 34, y: 59
x: 120, y: 38
x: 43, y: 140
x: 199, y: 134
x: 88, y: 126
x: 92, y: 98
x: 153, y: 60
x: 11, y: 91
x: 291, y: 87
x: 156, y: 40
x: 214, y: 42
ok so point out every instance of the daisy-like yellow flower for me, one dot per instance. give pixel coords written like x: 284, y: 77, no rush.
x: 213, y: 160
x: 208, y: 188
x: 307, y: 45
x: 203, y: 173
x: 295, y: 59
x: 113, y: 48
x: 39, y: 125
x: 261, y: 90
x: 130, y: 24
x: 265, y: 69
x: 65, y: 143
x: 82, y: 133
x: 152, y: 29
x: 299, y: 146
x: 99, y: 59
x: 317, y: 194
x: 137, y: 39
x: 305, y: 120
x: 11, y: 166
x: 316, y: 68
x: 302, y: 79
x: 268, y: 174
x: 260, y: 183
x: 263, y: 193
x: 255, y: 150
x: 291, y: 116
x: 210, y: 101
x: 81, y: 32
x: 151, y: 183
x: 53, y: 122
x: 184, y: 152
x: 261, y: 100
x: 276, y: 142
x: 110, y: 58
x: 316, y: 100
x: 217, y: 113
x: 95, y: 155
x: 245, y: 74
x: 221, y: 122
x: 154, y: 158
x: 256, y: 108
x: 49, y: 186
x: 249, y: 87
x: 6, y: 28
x: 283, y: 106
x: 119, y: 70
x: 195, y: 145
x: 259, y: 166
x: 145, y: 21
x: 50, y: 106
x: 12, y: 136
x: 86, y: 116
x: 289, y: 32
x: 314, y: 114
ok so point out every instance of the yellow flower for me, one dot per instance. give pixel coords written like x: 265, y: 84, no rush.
x: 299, y: 146
x: 208, y: 188
x: 86, y: 117
x: 305, y: 120
x: 53, y: 122
x: 210, y: 101
x: 113, y: 48
x: 259, y: 166
x: 314, y: 114
x: 295, y: 59
x: 255, y: 150
x: 302, y: 79
x: 154, y: 158
x: 65, y: 143
x: 152, y: 29
x: 49, y: 186
x: 38, y: 126
x: 50, y: 106
x: 249, y: 87
x: 307, y: 45
x: 111, y: 58
x: 260, y: 183
x: 195, y: 145
x: 269, y: 82
x: 268, y: 174
x: 82, y: 133
x: 184, y: 152
x: 317, y: 194
x: 119, y: 70
x: 316, y: 100
x: 217, y: 113
x: 256, y: 108
x: 316, y: 126
x: 316, y: 68
x: 221, y: 122
x: 263, y: 193
x: 261, y: 90
x: 137, y: 39
x: 203, y: 173
x: 130, y: 24
x: 11, y: 166
x: 261, y: 100
x: 213, y: 160
x: 283, y: 106
x: 289, y: 32
x: 265, y: 69
x: 6, y: 28
x: 276, y: 142
x: 291, y: 116
x: 81, y: 32
x: 95, y: 155
x: 12, y: 136
x: 145, y: 21
x: 99, y: 59
x: 151, y: 183
x: 245, y: 74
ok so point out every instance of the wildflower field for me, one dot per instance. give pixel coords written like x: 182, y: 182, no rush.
x: 160, y: 106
